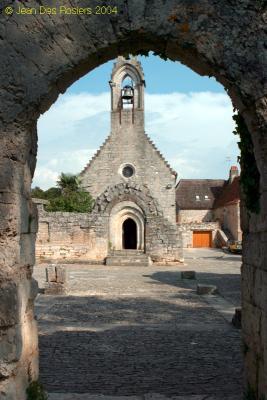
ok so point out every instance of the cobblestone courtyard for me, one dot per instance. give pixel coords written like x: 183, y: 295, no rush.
x: 142, y: 331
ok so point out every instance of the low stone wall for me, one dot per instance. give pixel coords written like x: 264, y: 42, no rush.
x: 70, y: 237
x: 82, y: 237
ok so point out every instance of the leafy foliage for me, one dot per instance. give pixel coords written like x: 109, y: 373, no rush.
x: 45, y: 194
x: 68, y: 183
x: 52, y: 192
x: 38, y: 193
x: 71, y: 201
x: 250, y: 177
x: 250, y: 394
x: 68, y: 196
x: 35, y: 391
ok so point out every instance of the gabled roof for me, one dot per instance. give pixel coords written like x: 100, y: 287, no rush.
x: 198, y: 194
x: 173, y: 172
x: 91, y: 160
x: 230, y: 194
x: 152, y: 144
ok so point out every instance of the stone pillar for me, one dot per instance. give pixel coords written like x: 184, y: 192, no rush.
x: 18, y: 328
x: 254, y: 268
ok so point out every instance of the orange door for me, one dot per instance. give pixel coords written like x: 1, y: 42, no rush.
x: 202, y: 239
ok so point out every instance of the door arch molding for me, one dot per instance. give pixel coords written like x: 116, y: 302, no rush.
x: 119, y: 214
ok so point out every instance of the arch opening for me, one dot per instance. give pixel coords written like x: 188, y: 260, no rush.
x: 122, y: 233
x: 129, y: 234
x: 201, y: 55
x: 125, y: 231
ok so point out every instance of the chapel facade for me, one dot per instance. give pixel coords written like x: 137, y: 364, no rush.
x: 140, y: 214
x: 134, y: 186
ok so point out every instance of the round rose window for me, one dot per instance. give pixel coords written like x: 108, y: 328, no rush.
x: 127, y: 171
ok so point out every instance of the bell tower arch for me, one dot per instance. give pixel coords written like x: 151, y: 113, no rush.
x: 127, y: 90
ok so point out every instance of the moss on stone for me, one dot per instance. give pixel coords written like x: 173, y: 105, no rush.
x: 250, y: 176
x: 35, y: 391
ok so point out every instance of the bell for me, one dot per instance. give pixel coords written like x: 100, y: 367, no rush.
x: 127, y: 92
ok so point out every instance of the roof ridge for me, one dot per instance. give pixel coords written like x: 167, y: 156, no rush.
x: 160, y: 154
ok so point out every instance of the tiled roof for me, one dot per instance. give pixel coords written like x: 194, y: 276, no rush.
x: 198, y: 194
x: 229, y: 195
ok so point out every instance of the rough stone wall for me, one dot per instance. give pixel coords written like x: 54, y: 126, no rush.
x: 163, y: 241
x: 187, y: 230
x: 41, y: 56
x: 68, y: 237
x: 194, y: 216
x: 82, y: 237
x: 229, y: 218
x: 128, y: 143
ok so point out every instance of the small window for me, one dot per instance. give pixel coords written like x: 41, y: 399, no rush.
x: 206, y: 197
x: 197, y: 197
x: 128, y: 171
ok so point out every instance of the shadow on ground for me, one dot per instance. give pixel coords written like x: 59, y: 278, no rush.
x: 229, y: 285
x: 132, y: 346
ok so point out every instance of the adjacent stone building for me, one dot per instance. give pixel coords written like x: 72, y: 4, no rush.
x: 134, y: 217
x: 208, y: 210
x: 227, y: 207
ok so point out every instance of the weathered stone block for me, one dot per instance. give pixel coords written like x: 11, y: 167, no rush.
x: 236, y: 320
x: 10, y: 347
x: 56, y: 280
x: 27, y: 249
x: 203, y: 289
x: 34, y: 288
x: 188, y: 274
x: 61, y: 274
x: 9, y: 304
x: 51, y: 273
x: 54, y: 288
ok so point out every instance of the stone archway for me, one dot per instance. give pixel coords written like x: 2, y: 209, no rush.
x: 42, y: 56
x: 129, y: 234
x: 120, y: 213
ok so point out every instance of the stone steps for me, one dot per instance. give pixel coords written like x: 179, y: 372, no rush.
x: 128, y: 258
x: 126, y: 252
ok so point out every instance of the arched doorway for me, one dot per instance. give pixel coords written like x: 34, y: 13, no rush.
x: 126, y: 227
x: 129, y: 234
x: 203, y: 36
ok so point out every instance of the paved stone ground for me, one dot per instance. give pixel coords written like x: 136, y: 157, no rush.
x: 137, y: 331
x: 150, y: 396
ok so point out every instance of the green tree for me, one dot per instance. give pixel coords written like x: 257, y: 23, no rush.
x: 68, y: 196
x: 68, y: 183
x: 38, y: 193
x: 72, y: 201
x: 52, y: 192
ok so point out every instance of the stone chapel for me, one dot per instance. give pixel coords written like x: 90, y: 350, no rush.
x: 140, y: 215
x: 134, y: 186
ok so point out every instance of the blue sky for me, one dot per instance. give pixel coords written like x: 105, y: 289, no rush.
x: 189, y: 117
x: 161, y: 77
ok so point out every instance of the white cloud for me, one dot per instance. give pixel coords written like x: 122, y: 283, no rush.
x: 192, y: 130
x: 44, y: 176
x: 69, y: 162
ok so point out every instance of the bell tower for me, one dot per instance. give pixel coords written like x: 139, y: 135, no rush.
x: 127, y: 93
